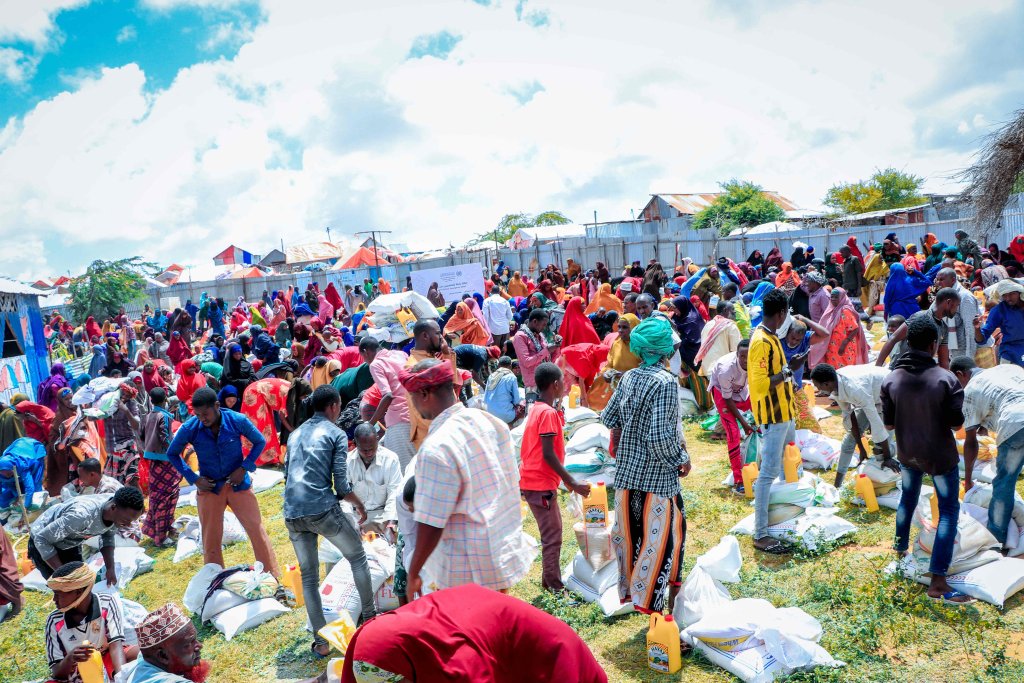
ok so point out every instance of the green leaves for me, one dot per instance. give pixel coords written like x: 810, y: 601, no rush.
x: 886, y: 189
x: 744, y: 204
x: 106, y: 286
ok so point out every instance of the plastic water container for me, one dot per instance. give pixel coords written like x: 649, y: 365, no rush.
x: 865, y: 488
x: 791, y: 462
x: 663, y: 653
x: 291, y: 579
x: 25, y: 565
x: 574, y: 396
x: 750, y: 473
x: 595, y: 507
x: 91, y: 670
x: 335, y: 668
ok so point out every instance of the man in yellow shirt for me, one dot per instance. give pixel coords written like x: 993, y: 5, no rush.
x: 773, y: 400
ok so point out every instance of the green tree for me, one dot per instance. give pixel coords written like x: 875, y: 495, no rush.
x: 106, y: 286
x: 742, y: 204
x: 1018, y: 184
x: 511, y: 222
x: 886, y: 189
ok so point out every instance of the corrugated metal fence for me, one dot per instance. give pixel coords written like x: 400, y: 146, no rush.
x: 669, y: 248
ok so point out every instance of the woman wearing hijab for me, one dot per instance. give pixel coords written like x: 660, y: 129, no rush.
x: 620, y: 360
x: 787, y: 280
x: 655, y: 279
x: 117, y: 362
x: 576, y: 328
x: 798, y: 257
x: 516, y: 286
x: 25, y: 460
x: 325, y: 311
x: 57, y: 464
x: 851, y: 242
x: 283, y: 335
x: 756, y: 259
x: 476, y: 306
x: 604, y: 299
x: 847, y: 343
x: 238, y: 371
x: 434, y: 296
x: 834, y: 267
x: 466, y: 326
x: 772, y: 260
x: 150, y: 377
x: 260, y: 403
x: 902, y: 290
x: 383, y: 285
x: 689, y: 326
x: 190, y: 381
x: 178, y: 350
x: 51, y: 386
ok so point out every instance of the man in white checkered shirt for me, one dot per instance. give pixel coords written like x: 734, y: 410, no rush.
x: 467, y: 489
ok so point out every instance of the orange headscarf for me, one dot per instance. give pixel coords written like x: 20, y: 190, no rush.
x: 787, y: 273
x: 465, y: 322
x: 604, y: 299
x: 383, y: 285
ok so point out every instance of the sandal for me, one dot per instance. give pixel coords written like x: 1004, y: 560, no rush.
x: 951, y: 598
x: 316, y: 653
x: 776, y: 548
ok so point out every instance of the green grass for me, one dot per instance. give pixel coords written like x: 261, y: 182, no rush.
x: 885, y: 629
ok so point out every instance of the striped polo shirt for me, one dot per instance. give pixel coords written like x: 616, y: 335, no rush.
x: 771, y: 405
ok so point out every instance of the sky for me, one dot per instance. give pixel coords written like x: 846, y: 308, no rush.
x: 169, y: 129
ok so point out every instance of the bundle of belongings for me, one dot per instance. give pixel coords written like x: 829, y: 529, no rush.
x: 190, y: 534
x: 128, y: 563
x: 587, y: 448
x: 594, y: 573
x: 888, y: 485
x: 398, y: 313
x: 338, y: 592
x: 818, y: 451
x: 750, y: 638
x: 234, y: 600
x: 978, y: 568
x: 802, y: 513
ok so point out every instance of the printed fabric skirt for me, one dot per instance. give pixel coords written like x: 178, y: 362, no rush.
x: 649, y: 538
x: 698, y: 385
x: 163, y: 499
x: 123, y: 463
x: 805, y: 412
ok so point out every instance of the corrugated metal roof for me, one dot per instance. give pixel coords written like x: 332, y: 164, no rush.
x: 883, y: 212
x: 316, y: 251
x: 692, y: 203
x: 9, y: 286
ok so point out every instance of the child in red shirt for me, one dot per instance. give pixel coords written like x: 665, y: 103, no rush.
x: 543, y: 454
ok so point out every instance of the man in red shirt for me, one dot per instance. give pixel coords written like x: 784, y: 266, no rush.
x: 543, y: 453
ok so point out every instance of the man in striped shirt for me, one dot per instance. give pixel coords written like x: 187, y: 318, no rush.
x: 773, y: 400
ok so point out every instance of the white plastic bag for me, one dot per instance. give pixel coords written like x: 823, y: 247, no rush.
x: 247, y: 616
x: 598, y: 580
x: 198, y: 586
x: 264, y: 479
x: 221, y: 601
x: 817, y: 450
x: 809, y: 530
x: 252, y: 585
x: 981, y: 495
x: 596, y: 542
x: 703, y: 591
x: 128, y: 563
x: 589, y: 437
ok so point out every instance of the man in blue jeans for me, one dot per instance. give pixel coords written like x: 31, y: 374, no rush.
x: 316, y: 482
x: 994, y: 399
x: 921, y: 402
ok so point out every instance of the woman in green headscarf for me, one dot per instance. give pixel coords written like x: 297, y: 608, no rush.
x: 652, y: 341
x: 11, y: 426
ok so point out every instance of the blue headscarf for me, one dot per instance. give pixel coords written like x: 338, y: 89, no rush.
x: 687, y: 287
x: 479, y: 300
x: 756, y: 302
x: 226, y: 392
x: 302, y: 309
x: 902, y: 290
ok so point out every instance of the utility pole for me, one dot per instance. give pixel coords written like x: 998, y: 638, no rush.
x: 373, y: 235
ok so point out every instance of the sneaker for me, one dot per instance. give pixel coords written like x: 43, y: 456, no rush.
x: 739, y: 490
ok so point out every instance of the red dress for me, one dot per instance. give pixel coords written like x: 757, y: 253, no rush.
x: 259, y: 403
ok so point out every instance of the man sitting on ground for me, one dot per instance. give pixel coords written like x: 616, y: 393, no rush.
x: 375, y: 475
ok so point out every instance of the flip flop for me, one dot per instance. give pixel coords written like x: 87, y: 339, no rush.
x: 776, y: 548
x: 950, y: 598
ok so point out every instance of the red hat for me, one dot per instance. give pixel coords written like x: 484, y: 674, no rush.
x: 493, y: 352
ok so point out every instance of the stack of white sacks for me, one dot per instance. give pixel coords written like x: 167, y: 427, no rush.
x: 750, y: 638
x: 802, y: 513
x: 243, y: 602
x: 978, y: 568
x: 338, y: 591
x: 594, y: 573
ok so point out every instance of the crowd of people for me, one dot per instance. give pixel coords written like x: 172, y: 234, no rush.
x: 412, y: 440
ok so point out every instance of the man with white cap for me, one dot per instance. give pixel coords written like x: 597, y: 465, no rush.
x: 1007, y: 317
x: 170, y: 649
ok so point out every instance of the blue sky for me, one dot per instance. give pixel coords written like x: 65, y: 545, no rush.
x: 169, y: 128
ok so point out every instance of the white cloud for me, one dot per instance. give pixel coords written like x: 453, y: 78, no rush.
x: 31, y: 20
x: 127, y: 34
x: 16, y: 66
x: 320, y: 120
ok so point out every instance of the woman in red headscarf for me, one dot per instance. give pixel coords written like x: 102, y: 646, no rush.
x: 333, y: 297
x: 469, y: 633
x: 260, y: 401
x: 178, y: 350
x: 1017, y: 248
x: 92, y: 328
x: 190, y: 382
x: 576, y: 327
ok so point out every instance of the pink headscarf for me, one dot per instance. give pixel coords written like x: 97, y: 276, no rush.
x: 910, y: 262
x: 325, y: 313
x: 830, y: 320
x: 479, y: 315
